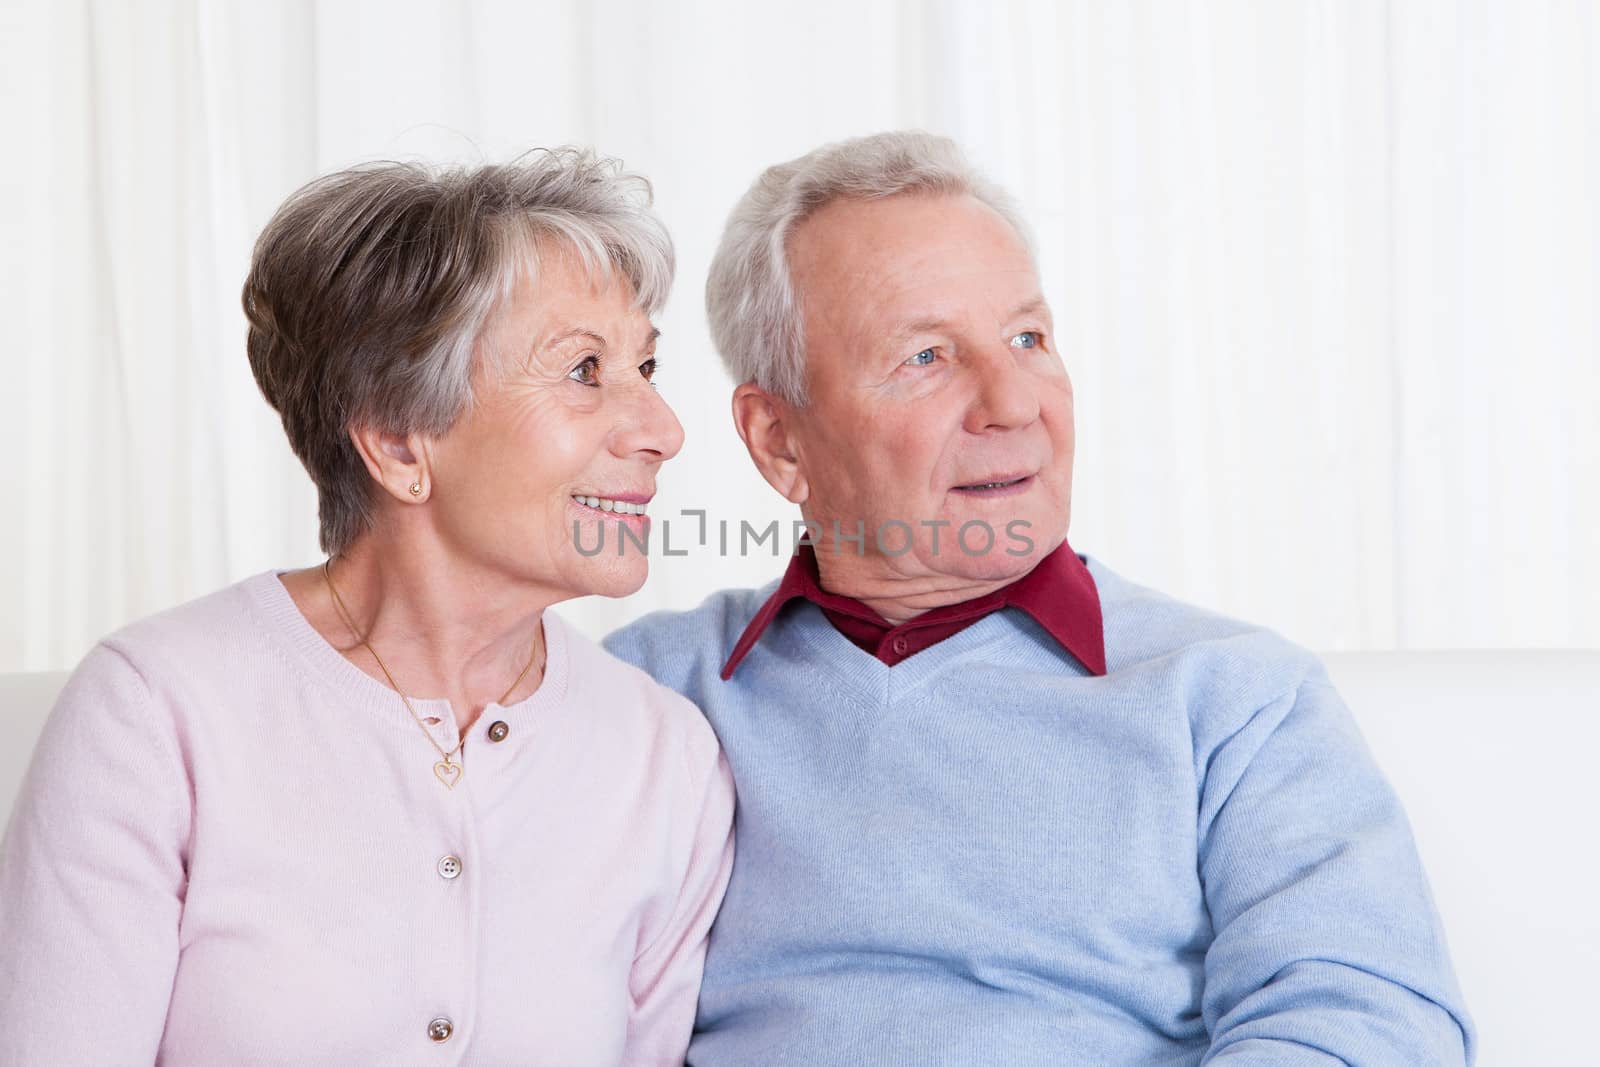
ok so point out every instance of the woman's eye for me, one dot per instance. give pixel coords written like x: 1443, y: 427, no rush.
x: 586, y: 373
x: 1027, y: 339
x: 648, y: 370
x: 922, y: 359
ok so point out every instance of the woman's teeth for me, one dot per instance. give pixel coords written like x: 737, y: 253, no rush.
x: 621, y: 507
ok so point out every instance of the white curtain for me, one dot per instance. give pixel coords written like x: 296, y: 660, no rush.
x: 1325, y: 274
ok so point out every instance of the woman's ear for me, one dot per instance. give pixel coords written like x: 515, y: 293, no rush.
x: 398, y: 462
x: 766, y: 425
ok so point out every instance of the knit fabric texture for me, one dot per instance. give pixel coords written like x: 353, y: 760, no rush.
x: 231, y: 848
x: 987, y: 855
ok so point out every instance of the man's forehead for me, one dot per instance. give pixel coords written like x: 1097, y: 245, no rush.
x: 886, y: 227
x: 895, y: 297
x: 951, y: 316
x: 904, y: 247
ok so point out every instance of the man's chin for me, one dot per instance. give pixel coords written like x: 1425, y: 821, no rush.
x: 997, y: 565
x: 984, y: 552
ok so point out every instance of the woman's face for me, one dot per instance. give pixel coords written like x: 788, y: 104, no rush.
x: 543, y: 480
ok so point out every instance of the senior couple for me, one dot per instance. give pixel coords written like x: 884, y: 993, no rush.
x: 996, y: 804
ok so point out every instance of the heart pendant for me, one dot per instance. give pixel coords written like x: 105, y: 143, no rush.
x: 447, y: 772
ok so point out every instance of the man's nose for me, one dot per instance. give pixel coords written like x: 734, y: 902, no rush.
x: 1006, y: 398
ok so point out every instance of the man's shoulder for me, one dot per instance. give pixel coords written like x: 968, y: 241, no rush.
x: 1150, y: 631
x: 674, y: 646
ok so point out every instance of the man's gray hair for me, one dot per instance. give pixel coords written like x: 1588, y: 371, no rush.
x: 371, y: 287
x: 750, y: 299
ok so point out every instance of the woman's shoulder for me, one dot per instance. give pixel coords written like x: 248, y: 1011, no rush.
x: 143, y: 679
x: 631, y: 694
x: 202, y: 645
x: 196, y: 631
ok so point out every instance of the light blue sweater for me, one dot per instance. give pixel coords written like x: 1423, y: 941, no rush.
x: 985, y: 855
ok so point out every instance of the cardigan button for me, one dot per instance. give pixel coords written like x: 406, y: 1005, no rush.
x: 498, y: 731
x: 440, y: 1029
x: 899, y: 645
x: 449, y: 867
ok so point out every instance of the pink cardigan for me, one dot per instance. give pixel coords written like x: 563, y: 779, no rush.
x: 231, y: 849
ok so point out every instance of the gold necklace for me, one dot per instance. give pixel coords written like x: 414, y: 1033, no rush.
x: 447, y: 772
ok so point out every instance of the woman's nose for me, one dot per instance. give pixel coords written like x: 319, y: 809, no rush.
x: 649, y: 428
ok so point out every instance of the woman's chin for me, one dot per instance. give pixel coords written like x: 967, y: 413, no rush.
x: 613, y: 578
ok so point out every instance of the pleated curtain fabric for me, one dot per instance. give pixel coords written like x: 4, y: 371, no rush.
x: 1324, y: 274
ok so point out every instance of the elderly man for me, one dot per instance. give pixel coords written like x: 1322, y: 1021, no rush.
x: 998, y: 804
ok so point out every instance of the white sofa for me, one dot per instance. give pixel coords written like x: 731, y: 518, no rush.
x: 1496, y: 756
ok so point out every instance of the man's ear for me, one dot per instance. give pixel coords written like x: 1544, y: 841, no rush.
x: 398, y: 462
x: 766, y: 425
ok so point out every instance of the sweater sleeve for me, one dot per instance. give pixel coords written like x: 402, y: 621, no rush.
x: 665, y: 984
x: 1327, y: 947
x: 92, y: 874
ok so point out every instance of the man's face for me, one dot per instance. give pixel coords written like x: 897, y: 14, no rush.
x: 937, y: 396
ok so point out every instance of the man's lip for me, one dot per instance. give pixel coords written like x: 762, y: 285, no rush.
x: 999, y: 481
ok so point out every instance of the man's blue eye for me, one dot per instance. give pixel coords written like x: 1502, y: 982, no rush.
x: 918, y: 360
x: 1030, y: 339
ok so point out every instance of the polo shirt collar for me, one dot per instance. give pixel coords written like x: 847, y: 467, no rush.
x: 1059, y: 594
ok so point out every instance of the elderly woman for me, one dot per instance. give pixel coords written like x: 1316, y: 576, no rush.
x: 389, y: 809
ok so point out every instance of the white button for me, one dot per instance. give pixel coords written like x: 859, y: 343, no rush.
x: 449, y: 867
x: 441, y: 1029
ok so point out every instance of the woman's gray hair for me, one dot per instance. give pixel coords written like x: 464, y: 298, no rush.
x: 750, y: 299
x: 370, y: 289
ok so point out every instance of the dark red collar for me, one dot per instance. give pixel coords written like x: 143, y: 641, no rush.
x: 1059, y: 594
